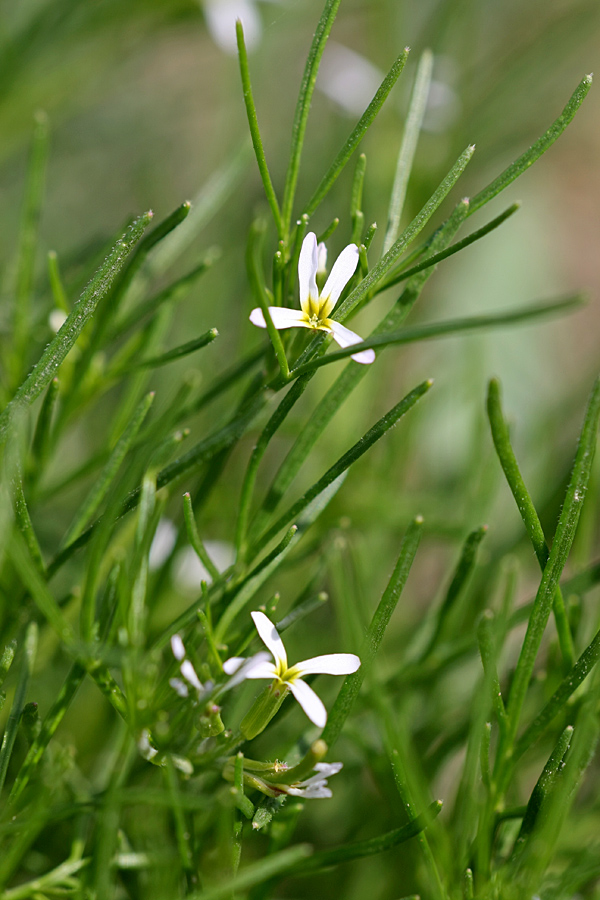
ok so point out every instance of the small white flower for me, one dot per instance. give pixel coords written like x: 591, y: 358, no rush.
x: 291, y: 676
x: 316, y: 307
x: 315, y: 787
x: 187, y: 671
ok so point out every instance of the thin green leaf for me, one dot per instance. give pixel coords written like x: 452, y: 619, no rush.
x: 195, y: 539
x: 358, y: 133
x: 56, y: 285
x: 178, y: 352
x: 274, y: 865
x: 106, y: 478
x: 510, y: 467
x: 455, y: 248
x: 40, y: 444
x: 326, y: 858
x: 460, y: 580
x: 307, y: 87
x: 58, y: 348
x: 561, y: 545
x: 28, y: 239
x: 559, y: 698
x: 14, y: 719
x: 375, y: 632
x: 408, y: 235
x: 257, y: 282
x: 412, y: 129
x: 372, y: 436
x: 255, y: 131
x: 528, y: 158
x: 444, y: 329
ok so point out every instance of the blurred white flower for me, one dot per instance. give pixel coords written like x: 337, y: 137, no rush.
x: 188, y: 672
x: 221, y: 16
x: 188, y: 571
x: 162, y: 543
x: 291, y: 676
x: 315, y: 787
x: 348, y: 78
x: 316, y: 307
x: 56, y: 319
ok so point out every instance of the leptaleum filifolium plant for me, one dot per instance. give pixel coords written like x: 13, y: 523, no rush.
x: 178, y: 748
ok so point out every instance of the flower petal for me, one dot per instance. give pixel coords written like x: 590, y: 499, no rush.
x: 310, y: 703
x: 241, y: 668
x: 307, y: 271
x: 281, y: 316
x: 330, y: 664
x: 177, y: 647
x: 189, y: 673
x: 270, y: 637
x: 318, y: 791
x: 326, y: 770
x: 232, y: 664
x: 345, y: 338
x: 321, y: 259
x: 343, y: 270
x: 262, y: 670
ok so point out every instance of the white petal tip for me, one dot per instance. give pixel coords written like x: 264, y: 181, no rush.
x: 365, y: 357
x: 257, y: 318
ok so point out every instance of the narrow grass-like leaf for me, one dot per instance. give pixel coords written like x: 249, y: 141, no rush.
x: 559, y: 698
x: 372, y: 436
x: 106, y: 478
x: 561, y: 545
x: 257, y: 282
x: 447, y: 329
x: 170, y: 294
x: 51, y: 722
x: 307, y: 87
x: 195, y: 539
x: 458, y: 585
x: 412, y: 129
x: 276, y: 864
x: 528, y: 158
x: 253, y: 582
x: 405, y: 239
x: 28, y: 238
x: 326, y: 858
x: 56, y: 284
x: 455, y: 248
x: 542, y: 786
x: 56, y: 351
x: 178, y: 352
x: 401, y: 779
x: 138, y: 257
x: 254, y: 129
x: 381, y: 618
x: 533, y: 526
x: 42, y: 434
x: 181, y: 830
x: 488, y: 652
x: 23, y: 520
x: 357, y: 135
x: 14, y: 719
x: 51, y: 611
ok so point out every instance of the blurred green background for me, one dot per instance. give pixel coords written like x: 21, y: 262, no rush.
x: 145, y: 106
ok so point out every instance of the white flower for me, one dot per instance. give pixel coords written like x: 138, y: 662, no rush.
x: 187, y: 670
x: 316, y: 307
x: 315, y: 787
x: 291, y: 676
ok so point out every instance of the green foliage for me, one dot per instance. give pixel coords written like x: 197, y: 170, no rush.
x: 136, y: 759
